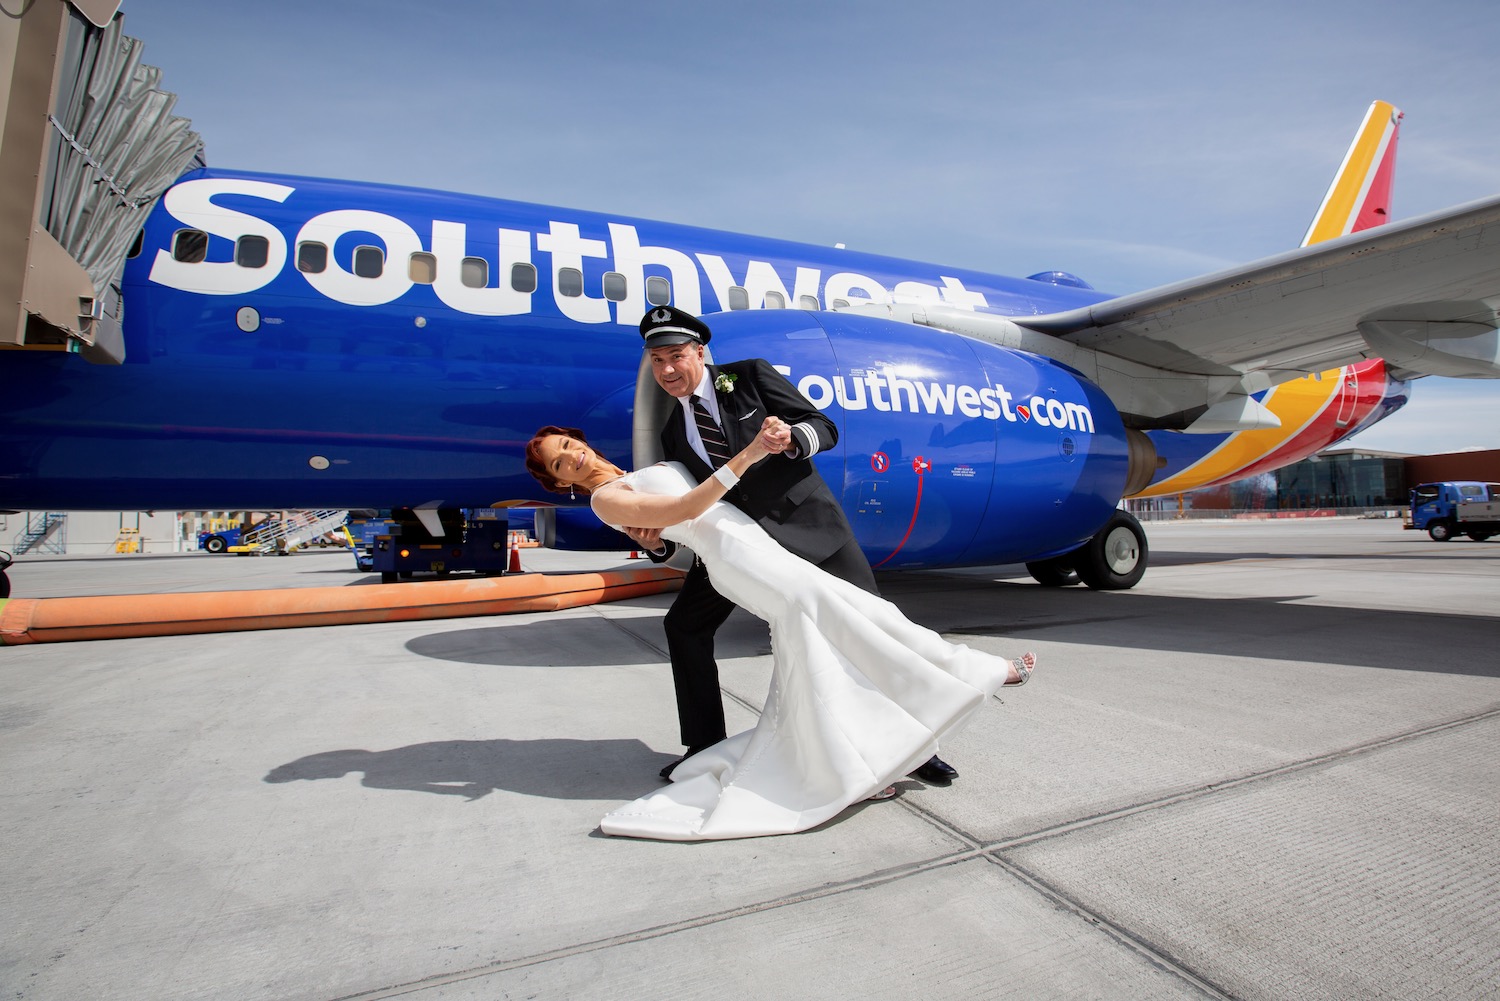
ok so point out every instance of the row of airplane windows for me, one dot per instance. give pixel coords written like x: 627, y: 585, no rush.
x: 190, y: 246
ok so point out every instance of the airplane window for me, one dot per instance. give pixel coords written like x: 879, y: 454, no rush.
x: 138, y: 245
x: 658, y: 291
x: 523, y: 277
x: 312, y: 257
x: 569, y: 282
x: 775, y: 300
x: 422, y: 268
x: 839, y: 303
x: 738, y: 298
x: 190, y: 246
x: 807, y: 302
x: 474, y: 272
x: 252, y: 251
x: 614, y: 286
x: 369, y: 262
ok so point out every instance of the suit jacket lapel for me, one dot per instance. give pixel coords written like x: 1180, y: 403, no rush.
x: 732, y: 411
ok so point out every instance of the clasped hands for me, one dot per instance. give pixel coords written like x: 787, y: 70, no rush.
x: 774, y: 438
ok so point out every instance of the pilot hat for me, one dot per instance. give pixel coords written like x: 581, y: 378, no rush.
x: 667, y: 325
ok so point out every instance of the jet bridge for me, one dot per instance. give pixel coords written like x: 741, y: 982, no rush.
x: 88, y: 143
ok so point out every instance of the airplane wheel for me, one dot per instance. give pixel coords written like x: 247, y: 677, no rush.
x: 215, y: 544
x: 387, y: 576
x: 1116, y: 557
x: 4, y: 584
x: 1440, y: 531
x: 1056, y: 572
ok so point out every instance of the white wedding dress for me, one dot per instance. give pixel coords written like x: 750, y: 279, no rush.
x: 859, y: 694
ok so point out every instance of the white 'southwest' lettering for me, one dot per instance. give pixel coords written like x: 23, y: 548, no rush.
x: 400, y: 240
x: 884, y: 391
x: 450, y: 245
x: 191, y: 203
x: 568, y: 248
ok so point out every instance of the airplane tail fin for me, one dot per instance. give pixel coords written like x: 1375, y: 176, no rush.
x: 1360, y: 196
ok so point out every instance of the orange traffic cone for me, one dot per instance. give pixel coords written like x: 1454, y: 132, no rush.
x: 634, y: 555
x: 515, y: 560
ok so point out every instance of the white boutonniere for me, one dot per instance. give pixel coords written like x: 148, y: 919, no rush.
x: 724, y: 382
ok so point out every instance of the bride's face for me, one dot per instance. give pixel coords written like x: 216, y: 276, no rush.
x: 567, y: 459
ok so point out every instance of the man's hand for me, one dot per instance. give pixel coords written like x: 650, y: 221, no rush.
x: 648, y: 539
x: 775, y: 435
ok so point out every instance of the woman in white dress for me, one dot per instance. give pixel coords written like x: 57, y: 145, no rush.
x: 859, y: 695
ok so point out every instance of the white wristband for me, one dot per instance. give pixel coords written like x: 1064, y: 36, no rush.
x: 726, y: 476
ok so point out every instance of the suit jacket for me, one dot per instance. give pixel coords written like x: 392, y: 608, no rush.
x: 786, y: 496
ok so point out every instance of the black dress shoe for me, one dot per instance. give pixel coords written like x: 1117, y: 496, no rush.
x: 936, y: 772
x: 666, y: 771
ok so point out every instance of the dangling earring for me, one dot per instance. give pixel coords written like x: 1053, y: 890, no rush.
x: 571, y: 494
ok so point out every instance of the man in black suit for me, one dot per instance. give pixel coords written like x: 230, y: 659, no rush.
x: 722, y: 408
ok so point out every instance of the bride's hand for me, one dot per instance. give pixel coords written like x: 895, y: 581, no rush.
x: 775, y: 435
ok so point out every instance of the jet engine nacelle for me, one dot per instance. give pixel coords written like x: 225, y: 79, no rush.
x: 951, y: 451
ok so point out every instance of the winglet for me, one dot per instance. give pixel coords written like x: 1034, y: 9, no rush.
x: 1360, y: 196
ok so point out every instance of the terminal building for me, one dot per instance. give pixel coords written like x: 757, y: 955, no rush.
x: 1350, y: 481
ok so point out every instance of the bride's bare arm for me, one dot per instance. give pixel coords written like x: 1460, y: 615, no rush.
x: 616, y: 506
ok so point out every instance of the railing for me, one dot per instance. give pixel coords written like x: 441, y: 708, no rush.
x: 45, y: 533
x: 292, y: 530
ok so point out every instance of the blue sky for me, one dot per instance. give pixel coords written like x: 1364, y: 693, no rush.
x: 1131, y: 144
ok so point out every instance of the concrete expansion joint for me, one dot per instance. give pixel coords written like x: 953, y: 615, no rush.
x: 1232, y: 784
x: 1151, y: 952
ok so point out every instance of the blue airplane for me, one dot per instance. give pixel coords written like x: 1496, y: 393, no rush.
x: 291, y: 342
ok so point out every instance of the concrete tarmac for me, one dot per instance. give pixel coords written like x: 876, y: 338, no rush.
x: 1268, y: 771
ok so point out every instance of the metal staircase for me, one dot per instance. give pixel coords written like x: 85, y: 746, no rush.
x: 45, y: 533
x: 293, y: 530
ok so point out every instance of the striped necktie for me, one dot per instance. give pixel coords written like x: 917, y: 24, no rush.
x: 714, y: 442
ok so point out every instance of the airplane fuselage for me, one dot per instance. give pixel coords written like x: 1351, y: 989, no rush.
x: 297, y: 343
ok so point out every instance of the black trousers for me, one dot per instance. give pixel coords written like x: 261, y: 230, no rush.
x: 692, y: 622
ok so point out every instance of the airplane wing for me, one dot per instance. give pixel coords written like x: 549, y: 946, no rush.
x: 1422, y: 294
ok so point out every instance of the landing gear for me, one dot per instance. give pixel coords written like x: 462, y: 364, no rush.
x: 1113, y: 560
x: 6, y: 559
x: 1116, y: 557
x: 1056, y: 572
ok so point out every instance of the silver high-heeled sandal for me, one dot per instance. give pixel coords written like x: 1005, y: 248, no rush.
x: 1022, y: 669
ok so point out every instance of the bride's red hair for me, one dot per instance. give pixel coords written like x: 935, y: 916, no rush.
x: 534, y: 464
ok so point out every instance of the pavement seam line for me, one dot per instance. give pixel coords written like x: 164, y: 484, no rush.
x: 868, y: 881
x: 1153, y: 954
x: 988, y: 852
x: 1214, y: 788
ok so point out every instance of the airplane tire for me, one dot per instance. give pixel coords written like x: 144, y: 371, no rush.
x: 1055, y: 572
x: 4, y: 585
x: 215, y: 544
x: 1440, y: 531
x: 1116, y: 557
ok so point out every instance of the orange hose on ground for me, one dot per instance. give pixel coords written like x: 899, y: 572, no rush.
x: 55, y: 620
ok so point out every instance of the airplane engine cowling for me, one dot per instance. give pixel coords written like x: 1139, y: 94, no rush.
x: 951, y: 451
